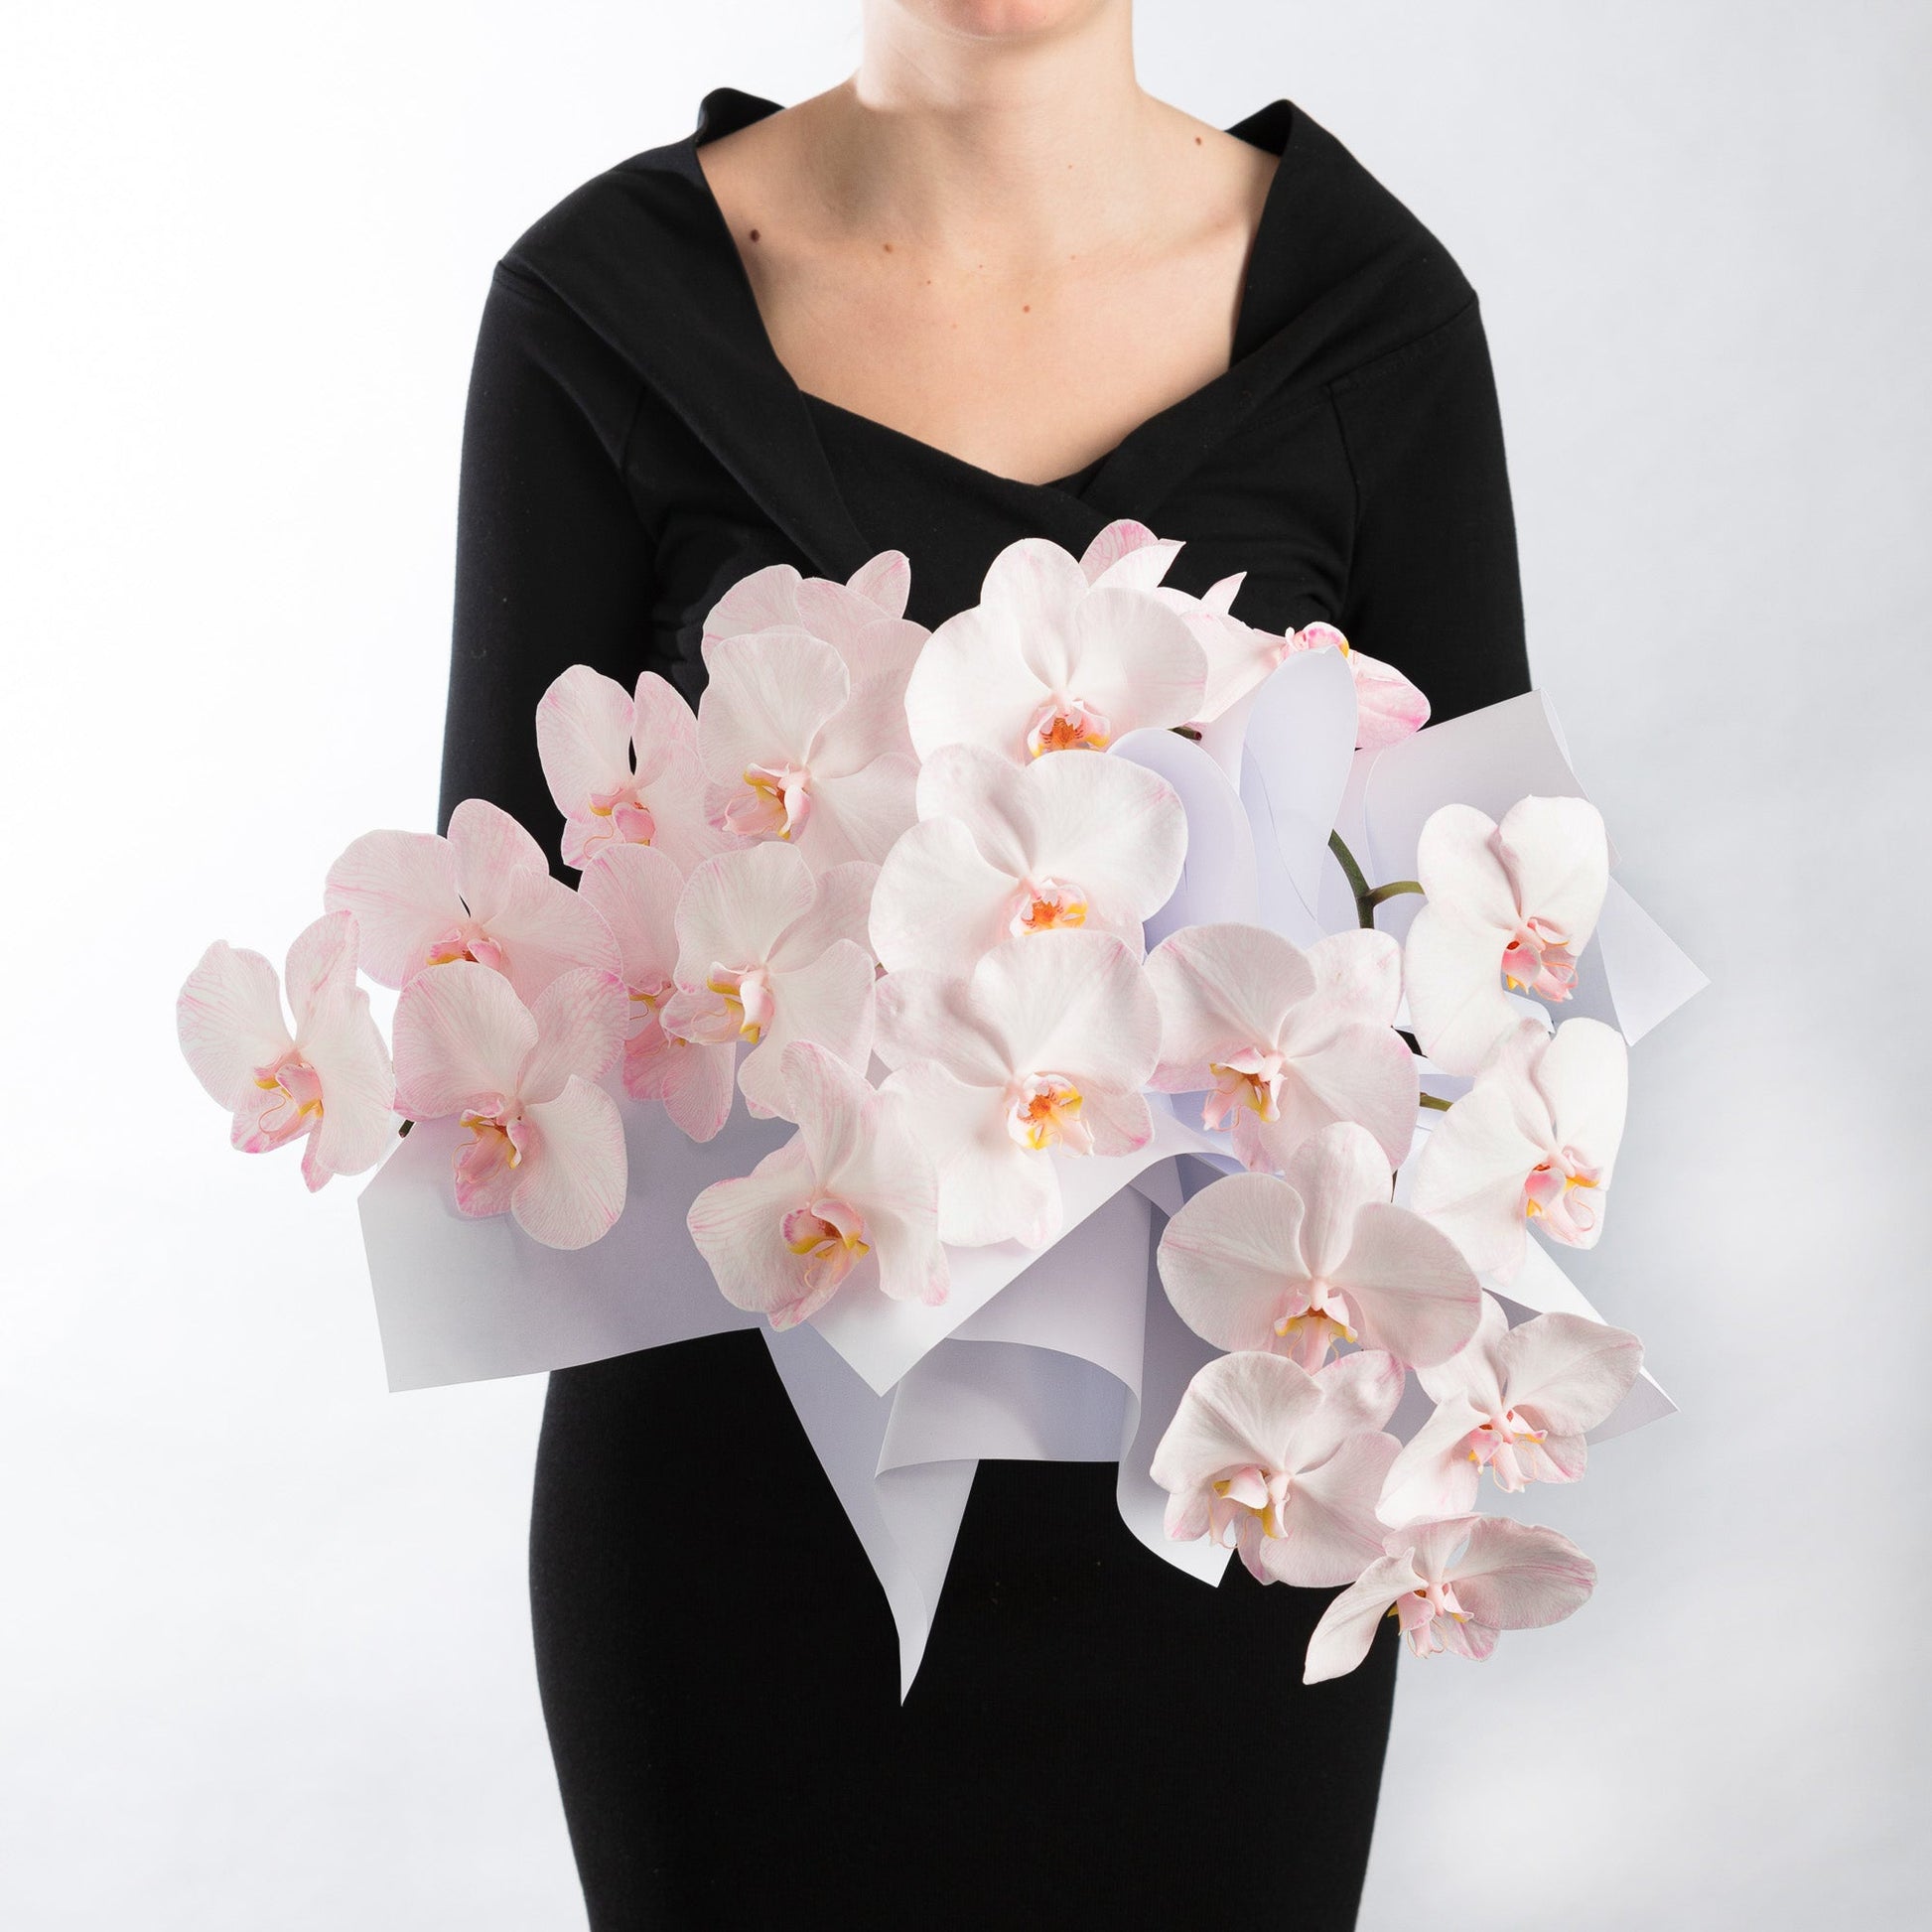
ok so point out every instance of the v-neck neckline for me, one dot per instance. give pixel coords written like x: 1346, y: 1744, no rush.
x: 725, y: 111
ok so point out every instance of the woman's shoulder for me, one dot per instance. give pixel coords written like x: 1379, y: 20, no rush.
x: 1340, y: 258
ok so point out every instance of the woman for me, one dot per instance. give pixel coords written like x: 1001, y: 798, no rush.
x: 986, y: 289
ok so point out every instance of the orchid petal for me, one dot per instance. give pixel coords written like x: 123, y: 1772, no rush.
x: 739, y: 1227
x: 572, y: 1182
x: 736, y: 905
x: 768, y: 697
x: 320, y: 963
x: 229, y: 1022
x: 1520, y: 1576
x: 1338, y: 1172
x: 989, y: 1188
x: 462, y: 1038
x: 341, y: 1042
x: 830, y: 1003
x: 584, y: 726
x: 1228, y: 1258
x: 1328, y: 1525
x: 582, y: 1017
x: 546, y: 929
x: 939, y: 904
x: 1221, y: 987
x: 886, y: 579
x: 1434, y: 1477
x: 1567, y: 1373
x: 1348, y: 1625
x: 400, y: 887
x: 633, y: 890
x: 492, y: 851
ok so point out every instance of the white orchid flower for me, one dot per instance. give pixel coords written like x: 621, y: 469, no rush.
x: 484, y: 893
x: 1045, y: 1045
x: 777, y: 598
x: 327, y: 1080
x: 546, y: 1141
x: 854, y: 1191
x: 998, y: 854
x: 1510, y: 907
x: 636, y: 890
x: 1283, y: 1465
x: 1285, y: 1042
x: 1295, y: 1267
x: 1046, y: 661
x: 1516, y: 1401
x: 1453, y: 1585
x: 768, y: 954
x: 622, y: 767
x: 808, y: 745
x: 1533, y: 1143
x: 1240, y: 657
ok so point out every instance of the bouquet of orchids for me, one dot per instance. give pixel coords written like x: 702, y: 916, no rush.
x: 1038, y: 886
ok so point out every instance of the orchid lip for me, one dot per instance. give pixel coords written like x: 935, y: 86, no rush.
x: 1043, y: 1111
x: 1067, y: 724
x: 1042, y: 905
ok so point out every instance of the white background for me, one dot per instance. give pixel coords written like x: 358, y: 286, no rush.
x: 262, y: 1627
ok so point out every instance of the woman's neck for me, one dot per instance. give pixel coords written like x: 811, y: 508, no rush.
x: 1035, y: 146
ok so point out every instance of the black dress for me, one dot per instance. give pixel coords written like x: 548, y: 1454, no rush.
x: 1094, y: 1738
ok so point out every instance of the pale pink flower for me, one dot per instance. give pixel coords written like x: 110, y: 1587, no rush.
x: 327, y: 1078
x: 1128, y: 554
x: 1047, y: 663
x: 1297, y: 1266
x: 1455, y: 1586
x: 1510, y: 907
x: 1284, y: 1042
x: 546, y: 1144
x: 622, y: 767
x: 850, y: 1196
x: 483, y: 894
x: 1533, y: 1143
x: 1516, y: 1401
x: 777, y: 598
x: 636, y: 890
x: 1283, y: 1465
x: 1045, y: 1045
x: 1240, y: 657
x: 998, y: 854
x: 768, y: 954
x: 803, y: 742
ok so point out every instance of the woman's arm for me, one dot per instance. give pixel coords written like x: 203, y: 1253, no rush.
x: 553, y: 566
x: 1433, y: 585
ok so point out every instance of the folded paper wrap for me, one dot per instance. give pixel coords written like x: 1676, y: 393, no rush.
x: 1070, y: 1354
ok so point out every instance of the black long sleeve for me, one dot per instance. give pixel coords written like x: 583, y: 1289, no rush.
x: 553, y: 563
x: 1432, y: 581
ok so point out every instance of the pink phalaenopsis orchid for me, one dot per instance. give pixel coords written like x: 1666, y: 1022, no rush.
x: 622, y: 767
x: 636, y: 890
x: 328, y: 1077
x: 1455, y: 1586
x: 850, y: 1196
x: 768, y: 954
x: 1284, y: 1042
x: 1241, y: 658
x: 802, y: 729
x: 546, y: 1144
x: 1533, y: 1143
x: 1510, y: 907
x: 1045, y: 1043
x: 806, y: 744
x: 777, y: 598
x: 1518, y: 1402
x: 1281, y: 1465
x: 1295, y: 1267
x: 1048, y: 661
x: 484, y: 893
x: 998, y: 854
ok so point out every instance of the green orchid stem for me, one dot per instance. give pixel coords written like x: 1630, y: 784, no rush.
x: 1367, y: 896
x: 1441, y: 1106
